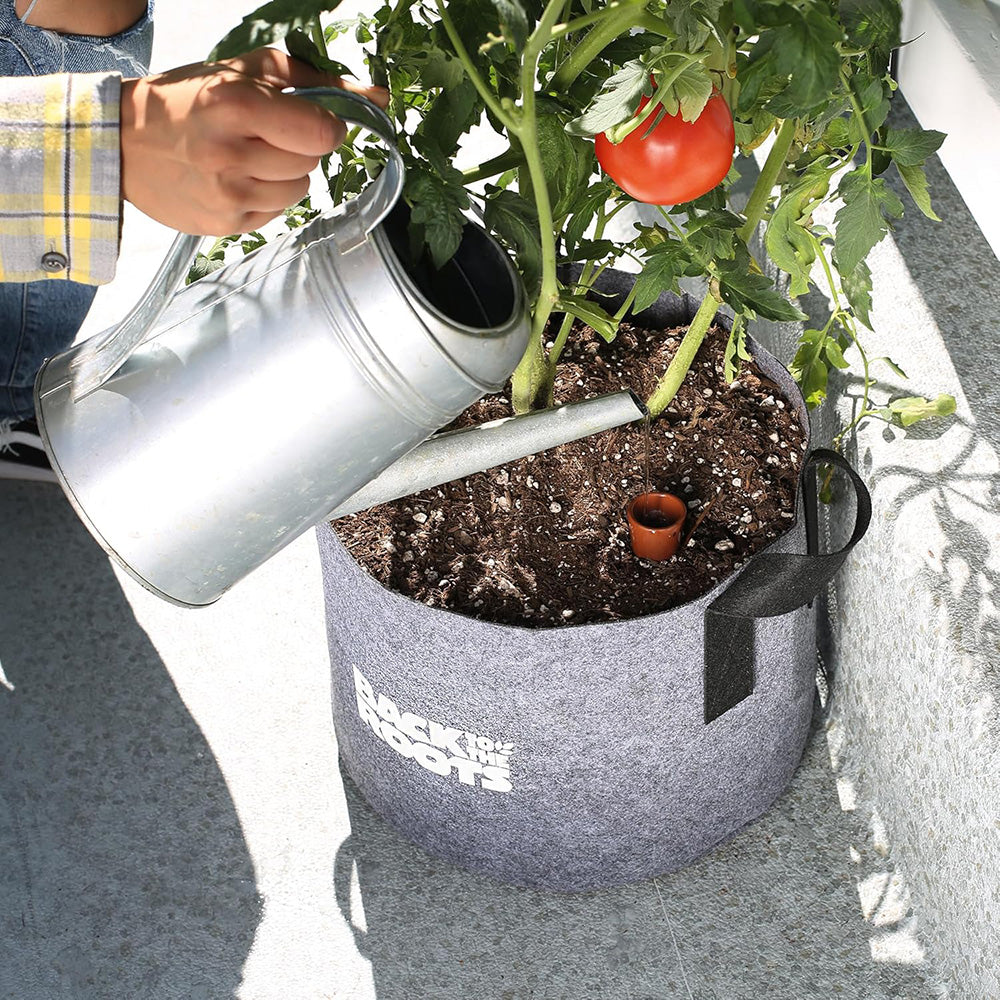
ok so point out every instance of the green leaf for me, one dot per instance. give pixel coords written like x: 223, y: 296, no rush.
x: 689, y: 91
x: 834, y: 353
x: 583, y: 213
x: 837, y: 134
x: 892, y: 365
x: 616, y: 102
x: 916, y: 183
x: 590, y: 313
x: 712, y: 236
x: 749, y: 135
x: 873, y: 25
x: 453, y: 112
x: 664, y: 264
x: 253, y: 241
x: 913, y: 408
x: 862, y: 220
x: 590, y: 250
x: 808, y: 367
x: 873, y: 97
x: 568, y: 160
x: 758, y: 75
x: 268, y: 24
x: 754, y: 294
x: 298, y: 215
x: 693, y: 21
x: 911, y: 146
x: 515, y: 221
x: 857, y: 286
x: 736, y: 350
x: 437, y: 68
x: 806, y: 50
x: 436, y: 203
x: 300, y: 46
x: 203, y: 265
x: 787, y: 238
x: 513, y: 22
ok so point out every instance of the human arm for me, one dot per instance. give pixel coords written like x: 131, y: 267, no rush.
x: 212, y: 149
x: 216, y: 148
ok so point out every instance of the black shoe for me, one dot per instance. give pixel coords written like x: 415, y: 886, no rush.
x: 21, y: 453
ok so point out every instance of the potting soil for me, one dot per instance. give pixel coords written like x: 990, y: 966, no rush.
x: 543, y: 541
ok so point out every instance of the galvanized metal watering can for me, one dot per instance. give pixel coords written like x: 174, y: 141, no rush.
x: 218, y: 422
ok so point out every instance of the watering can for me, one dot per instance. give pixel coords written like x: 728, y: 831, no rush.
x: 219, y: 421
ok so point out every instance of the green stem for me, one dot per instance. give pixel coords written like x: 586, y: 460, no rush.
x: 531, y: 383
x: 608, y: 25
x: 706, y: 262
x: 588, y: 274
x: 627, y: 304
x: 489, y: 99
x: 507, y: 160
x: 859, y: 112
x: 316, y: 30
x: 561, y: 337
x: 767, y: 179
x: 681, y: 361
x: 560, y: 31
x: 821, y: 253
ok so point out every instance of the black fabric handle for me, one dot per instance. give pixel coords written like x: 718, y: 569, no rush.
x: 772, y: 584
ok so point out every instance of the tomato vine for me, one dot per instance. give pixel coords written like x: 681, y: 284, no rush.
x: 807, y: 77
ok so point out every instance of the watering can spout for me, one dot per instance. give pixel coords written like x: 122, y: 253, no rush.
x: 455, y: 454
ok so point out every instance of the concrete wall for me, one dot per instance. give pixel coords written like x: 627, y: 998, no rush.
x: 913, y: 631
x: 950, y: 75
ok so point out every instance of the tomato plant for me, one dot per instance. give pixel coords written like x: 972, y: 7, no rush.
x: 673, y: 161
x: 666, y: 88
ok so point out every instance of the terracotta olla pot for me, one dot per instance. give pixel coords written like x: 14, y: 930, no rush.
x: 655, y: 522
x: 580, y: 756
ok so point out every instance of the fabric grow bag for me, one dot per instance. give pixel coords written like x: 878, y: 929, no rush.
x: 581, y: 756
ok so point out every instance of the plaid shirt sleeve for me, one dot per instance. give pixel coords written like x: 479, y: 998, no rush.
x: 59, y: 177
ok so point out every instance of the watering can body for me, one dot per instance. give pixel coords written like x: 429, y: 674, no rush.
x: 256, y: 400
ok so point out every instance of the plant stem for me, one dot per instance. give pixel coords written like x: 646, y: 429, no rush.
x: 626, y: 305
x: 531, y: 382
x: 560, y: 31
x: 589, y: 273
x: 316, y: 30
x: 610, y: 23
x: 859, y: 111
x: 561, y: 337
x: 506, y: 160
x: 681, y: 361
x: 706, y: 262
x: 768, y: 176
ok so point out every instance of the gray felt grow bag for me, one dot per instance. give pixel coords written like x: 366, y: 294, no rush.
x: 572, y: 757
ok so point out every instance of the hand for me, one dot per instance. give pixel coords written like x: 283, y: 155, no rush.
x: 216, y: 148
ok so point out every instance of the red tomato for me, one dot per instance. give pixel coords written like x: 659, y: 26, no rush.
x: 678, y: 161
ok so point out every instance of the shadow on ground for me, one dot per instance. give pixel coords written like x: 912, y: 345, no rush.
x: 772, y: 913
x: 124, y: 870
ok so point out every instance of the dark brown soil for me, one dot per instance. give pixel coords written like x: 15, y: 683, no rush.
x: 544, y: 541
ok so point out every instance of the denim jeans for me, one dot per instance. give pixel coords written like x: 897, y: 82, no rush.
x: 38, y: 319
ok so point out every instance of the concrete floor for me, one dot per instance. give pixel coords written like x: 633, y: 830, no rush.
x: 173, y: 822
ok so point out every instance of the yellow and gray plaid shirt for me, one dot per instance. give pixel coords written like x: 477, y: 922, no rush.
x: 60, y: 170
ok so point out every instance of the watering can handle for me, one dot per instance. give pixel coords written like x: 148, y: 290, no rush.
x: 105, y: 353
